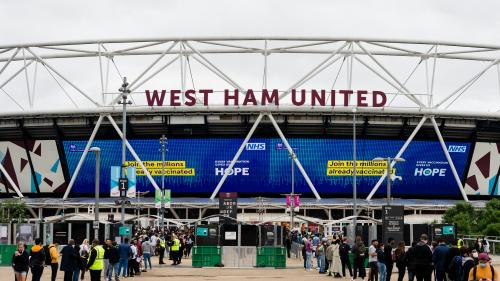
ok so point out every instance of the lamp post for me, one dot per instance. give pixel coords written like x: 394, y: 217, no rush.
x: 354, y: 174
x: 163, y: 142
x: 97, y: 151
x: 125, y: 91
x: 389, y: 160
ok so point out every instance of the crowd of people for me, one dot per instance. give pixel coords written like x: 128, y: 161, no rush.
x: 109, y: 260
x: 447, y: 262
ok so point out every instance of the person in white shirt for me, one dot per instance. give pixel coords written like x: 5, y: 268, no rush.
x: 372, y: 261
x: 133, y: 265
x: 153, y: 242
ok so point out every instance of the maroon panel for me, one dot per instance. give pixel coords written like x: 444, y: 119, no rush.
x: 472, y: 182
x: 484, y: 165
x: 23, y: 163
x: 49, y: 182
x: 38, y: 150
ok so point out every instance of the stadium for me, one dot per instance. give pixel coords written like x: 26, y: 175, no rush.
x: 262, y: 117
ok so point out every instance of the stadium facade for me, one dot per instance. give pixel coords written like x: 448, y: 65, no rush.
x: 435, y: 104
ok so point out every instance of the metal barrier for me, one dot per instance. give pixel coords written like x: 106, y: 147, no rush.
x: 494, y: 243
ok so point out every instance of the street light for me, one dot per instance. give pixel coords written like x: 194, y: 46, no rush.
x: 389, y: 160
x: 97, y: 151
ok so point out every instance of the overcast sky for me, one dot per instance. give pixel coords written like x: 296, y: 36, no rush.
x: 23, y: 21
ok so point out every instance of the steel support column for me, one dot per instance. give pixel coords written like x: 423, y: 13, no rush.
x: 401, y: 151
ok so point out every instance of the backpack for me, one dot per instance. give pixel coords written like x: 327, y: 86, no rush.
x: 474, y: 272
x: 456, y: 270
x: 48, y: 258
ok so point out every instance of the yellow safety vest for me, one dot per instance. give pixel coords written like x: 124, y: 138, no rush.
x: 460, y: 243
x: 175, y: 246
x: 162, y: 243
x: 99, y: 259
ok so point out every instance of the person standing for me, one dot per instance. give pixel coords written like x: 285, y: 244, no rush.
x: 80, y: 263
x: 190, y: 241
x: 460, y: 242
x: 175, y: 249
x: 68, y: 260
x: 37, y: 260
x: 345, y: 249
x: 95, y: 263
x: 381, y: 260
x: 309, y: 252
x: 399, y: 255
x: 132, y: 260
x: 124, y: 253
x: 372, y: 261
x: 147, y: 249
x: 439, y: 257
x: 423, y: 259
x: 20, y: 262
x: 336, y: 262
x: 484, y: 270
x: 486, y: 245
x: 359, y: 252
x: 161, y: 249
x: 410, y: 261
x: 388, y: 258
x: 114, y: 260
x: 452, y: 252
x: 54, y: 260
x: 320, y: 251
x: 288, y: 245
x: 84, y: 252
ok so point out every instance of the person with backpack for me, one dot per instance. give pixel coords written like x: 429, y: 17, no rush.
x: 439, y: 259
x: 452, y: 252
x: 410, y: 261
x: 20, y: 262
x: 37, y: 260
x: 359, y: 252
x: 484, y: 270
x: 68, y: 260
x: 423, y: 259
x: 399, y: 255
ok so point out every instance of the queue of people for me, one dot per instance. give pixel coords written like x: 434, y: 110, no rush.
x: 109, y: 260
x: 455, y: 262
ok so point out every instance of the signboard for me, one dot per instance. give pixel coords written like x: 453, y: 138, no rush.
x: 449, y: 230
x: 166, y: 198
x: 122, y: 187
x: 230, y: 235
x: 196, y: 165
x: 228, y: 206
x: 202, y: 231
x: 393, y: 223
x: 124, y: 231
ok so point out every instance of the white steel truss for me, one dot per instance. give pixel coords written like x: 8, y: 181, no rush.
x: 24, y: 69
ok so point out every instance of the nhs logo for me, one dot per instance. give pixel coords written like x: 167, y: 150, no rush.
x: 457, y: 148
x: 256, y: 146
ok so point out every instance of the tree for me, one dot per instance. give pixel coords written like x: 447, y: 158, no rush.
x: 471, y: 221
x: 13, y: 210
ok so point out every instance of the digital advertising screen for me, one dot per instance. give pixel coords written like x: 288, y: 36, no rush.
x: 196, y: 165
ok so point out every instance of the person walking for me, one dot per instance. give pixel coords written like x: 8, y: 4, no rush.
x: 439, y: 257
x: 388, y: 257
x: 372, y: 261
x: 359, y: 252
x: 68, y: 260
x: 95, y: 263
x: 147, y: 249
x: 423, y: 259
x: 381, y: 260
x: 452, y: 252
x: 37, y: 260
x: 20, y: 262
x: 124, y: 253
x: 54, y: 260
x: 484, y: 270
x: 399, y: 255
x: 345, y: 249
x: 410, y: 261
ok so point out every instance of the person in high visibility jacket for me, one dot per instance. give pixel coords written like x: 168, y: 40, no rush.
x: 175, y: 249
x: 161, y: 249
x: 95, y: 263
x: 460, y: 242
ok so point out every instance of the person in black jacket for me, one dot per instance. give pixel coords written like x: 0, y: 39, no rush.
x: 410, y: 261
x: 344, y: 250
x: 111, y: 253
x: 37, y: 260
x: 423, y: 259
x: 452, y: 252
x: 359, y: 252
x: 68, y: 260
x: 20, y: 262
x: 389, y: 263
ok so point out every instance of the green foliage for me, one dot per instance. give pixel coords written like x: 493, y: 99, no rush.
x: 13, y: 210
x: 470, y: 221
